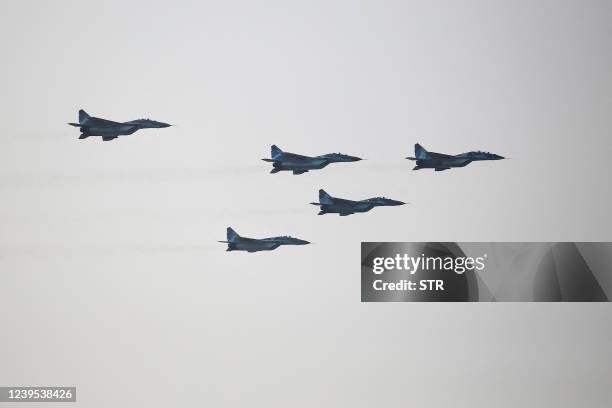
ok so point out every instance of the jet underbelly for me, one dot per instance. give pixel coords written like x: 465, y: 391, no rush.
x: 362, y: 207
x: 453, y: 163
x: 110, y: 131
x: 446, y: 163
x: 128, y: 130
x: 346, y: 208
x: 256, y: 246
x: 99, y: 131
x: 304, y: 165
x: 463, y: 163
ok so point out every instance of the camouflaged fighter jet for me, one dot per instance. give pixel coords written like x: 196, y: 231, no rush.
x: 109, y: 130
x: 285, y: 161
x: 441, y: 162
x: 237, y: 243
x: 344, y: 207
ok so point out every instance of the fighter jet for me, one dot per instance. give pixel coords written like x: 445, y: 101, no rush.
x: 344, y: 207
x: 237, y: 243
x: 109, y: 130
x: 441, y: 162
x: 285, y: 161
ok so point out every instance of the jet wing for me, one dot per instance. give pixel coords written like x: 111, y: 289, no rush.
x: 95, y: 122
x: 343, y: 201
x: 434, y: 155
x: 292, y: 157
x: 244, y: 240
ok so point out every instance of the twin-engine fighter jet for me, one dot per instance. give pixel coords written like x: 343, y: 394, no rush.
x: 285, y: 161
x: 440, y: 162
x: 340, y: 206
x: 109, y: 130
x: 237, y: 243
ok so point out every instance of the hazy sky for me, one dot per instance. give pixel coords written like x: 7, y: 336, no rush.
x: 110, y: 276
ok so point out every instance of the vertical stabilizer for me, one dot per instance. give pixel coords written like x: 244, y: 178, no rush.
x: 420, y: 152
x: 231, y: 235
x: 83, y: 116
x: 276, y: 152
x: 325, y: 198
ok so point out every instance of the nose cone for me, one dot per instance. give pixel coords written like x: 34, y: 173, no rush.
x: 300, y: 242
x: 387, y: 202
x: 488, y: 156
x: 288, y: 240
x: 163, y: 125
x: 390, y: 202
x: 340, y: 157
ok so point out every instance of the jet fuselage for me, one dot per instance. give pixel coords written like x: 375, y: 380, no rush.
x: 341, y: 206
x: 441, y: 162
x: 299, y: 164
x: 108, y: 129
x: 118, y: 130
x: 237, y: 243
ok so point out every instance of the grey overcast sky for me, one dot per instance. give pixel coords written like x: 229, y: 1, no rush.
x: 110, y: 276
